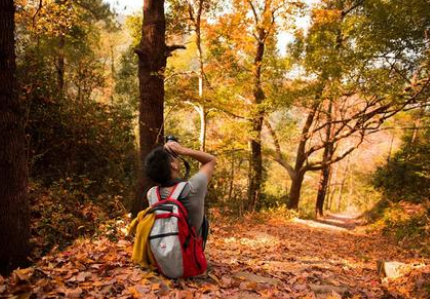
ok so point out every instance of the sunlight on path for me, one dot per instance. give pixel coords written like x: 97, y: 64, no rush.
x: 316, y: 224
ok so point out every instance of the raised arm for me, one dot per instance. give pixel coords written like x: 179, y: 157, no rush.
x: 207, y: 160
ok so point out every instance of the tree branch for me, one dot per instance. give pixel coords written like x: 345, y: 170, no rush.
x: 172, y: 48
x: 39, y: 8
x: 278, y: 157
x: 254, y: 11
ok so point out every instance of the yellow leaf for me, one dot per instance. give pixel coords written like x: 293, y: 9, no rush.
x: 23, y: 274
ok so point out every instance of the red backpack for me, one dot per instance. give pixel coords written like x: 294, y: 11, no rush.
x: 176, y: 248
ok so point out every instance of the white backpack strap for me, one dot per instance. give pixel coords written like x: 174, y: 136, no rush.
x: 178, y: 190
x: 152, y: 195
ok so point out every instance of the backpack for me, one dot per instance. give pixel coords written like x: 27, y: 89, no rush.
x: 173, y: 241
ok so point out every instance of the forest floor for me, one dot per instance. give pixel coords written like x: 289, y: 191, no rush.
x: 251, y: 258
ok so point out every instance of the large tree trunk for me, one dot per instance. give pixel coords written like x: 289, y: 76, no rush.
x: 152, y: 54
x: 299, y: 170
x: 296, y: 187
x: 325, y: 172
x: 256, y: 162
x: 14, y: 208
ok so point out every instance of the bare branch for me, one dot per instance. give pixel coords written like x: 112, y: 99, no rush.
x: 356, y: 5
x: 254, y: 11
x: 320, y: 165
x: 172, y: 48
x: 191, y: 12
x: 39, y: 8
x: 274, y: 137
x: 179, y: 74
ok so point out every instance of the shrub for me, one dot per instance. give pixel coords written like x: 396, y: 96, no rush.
x: 64, y: 212
x: 88, y: 144
x: 407, y: 175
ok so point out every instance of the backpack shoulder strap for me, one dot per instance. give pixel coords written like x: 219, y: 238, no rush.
x: 153, y: 195
x: 178, y: 190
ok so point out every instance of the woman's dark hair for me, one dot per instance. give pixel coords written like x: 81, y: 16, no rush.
x: 157, y: 165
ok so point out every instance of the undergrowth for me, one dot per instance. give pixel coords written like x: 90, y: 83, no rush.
x: 60, y: 215
x: 407, y: 223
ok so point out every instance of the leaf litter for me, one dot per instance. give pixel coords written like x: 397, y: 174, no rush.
x: 247, y: 259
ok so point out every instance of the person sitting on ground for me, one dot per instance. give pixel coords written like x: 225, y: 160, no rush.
x: 163, y: 166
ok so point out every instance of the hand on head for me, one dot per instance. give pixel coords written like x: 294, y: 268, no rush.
x: 175, y: 148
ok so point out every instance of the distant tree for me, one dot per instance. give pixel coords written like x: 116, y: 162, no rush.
x: 62, y: 36
x: 359, y: 73
x: 14, y: 208
x: 196, y: 8
x: 244, y: 62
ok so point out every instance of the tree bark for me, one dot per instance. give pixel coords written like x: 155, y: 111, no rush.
x: 325, y: 172
x: 322, y: 190
x: 296, y: 187
x: 152, y: 53
x: 256, y: 162
x: 14, y: 207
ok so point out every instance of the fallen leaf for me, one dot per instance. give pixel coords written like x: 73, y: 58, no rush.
x: 23, y: 274
x: 75, y: 293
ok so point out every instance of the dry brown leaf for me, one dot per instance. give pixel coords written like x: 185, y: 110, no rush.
x: 23, y: 274
x: 83, y: 276
x: 206, y: 288
x: 74, y: 293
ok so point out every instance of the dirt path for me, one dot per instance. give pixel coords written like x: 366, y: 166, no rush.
x: 330, y: 258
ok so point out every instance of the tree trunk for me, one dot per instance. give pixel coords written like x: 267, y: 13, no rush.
x: 232, y: 172
x: 152, y: 54
x: 256, y: 162
x: 201, y: 90
x: 256, y: 166
x: 203, y: 123
x: 202, y: 107
x: 342, y: 184
x: 299, y: 170
x: 325, y: 172
x: 322, y: 190
x: 14, y: 208
x: 296, y: 187
x: 60, y: 65
x: 331, y: 191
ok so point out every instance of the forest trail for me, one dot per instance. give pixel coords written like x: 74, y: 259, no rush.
x: 310, y: 258
x: 250, y: 258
